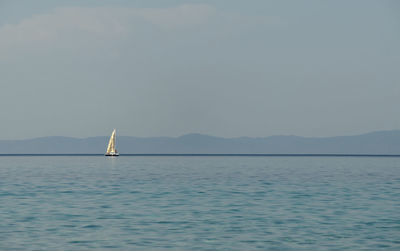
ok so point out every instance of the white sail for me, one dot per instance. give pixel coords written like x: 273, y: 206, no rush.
x: 111, y: 145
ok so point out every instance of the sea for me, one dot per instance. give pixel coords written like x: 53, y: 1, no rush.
x: 199, y: 203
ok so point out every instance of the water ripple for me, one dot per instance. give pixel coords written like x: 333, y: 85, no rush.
x: 199, y: 203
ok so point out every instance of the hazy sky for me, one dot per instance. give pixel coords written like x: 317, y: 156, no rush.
x: 224, y: 67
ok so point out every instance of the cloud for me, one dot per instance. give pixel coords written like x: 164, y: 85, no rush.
x: 75, y: 24
x: 99, y: 22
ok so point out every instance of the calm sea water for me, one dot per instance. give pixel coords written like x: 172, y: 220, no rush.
x: 199, y: 203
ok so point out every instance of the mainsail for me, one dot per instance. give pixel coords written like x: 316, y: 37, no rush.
x: 111, y: 145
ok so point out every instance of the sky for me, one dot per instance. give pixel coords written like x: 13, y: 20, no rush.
x: 226, y: 68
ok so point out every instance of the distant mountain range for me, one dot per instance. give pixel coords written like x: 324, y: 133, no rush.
x: 382, y: 142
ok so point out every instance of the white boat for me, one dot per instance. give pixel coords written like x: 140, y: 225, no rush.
x: 111, y: 151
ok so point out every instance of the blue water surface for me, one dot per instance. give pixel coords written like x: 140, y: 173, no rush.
x: 199, y: 203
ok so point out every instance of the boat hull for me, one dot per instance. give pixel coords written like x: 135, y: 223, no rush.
x: 111, y: 154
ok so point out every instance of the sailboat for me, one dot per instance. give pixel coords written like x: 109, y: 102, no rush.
x: 111, y: 151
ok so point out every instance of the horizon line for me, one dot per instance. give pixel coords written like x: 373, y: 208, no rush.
x: 198, y: 155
